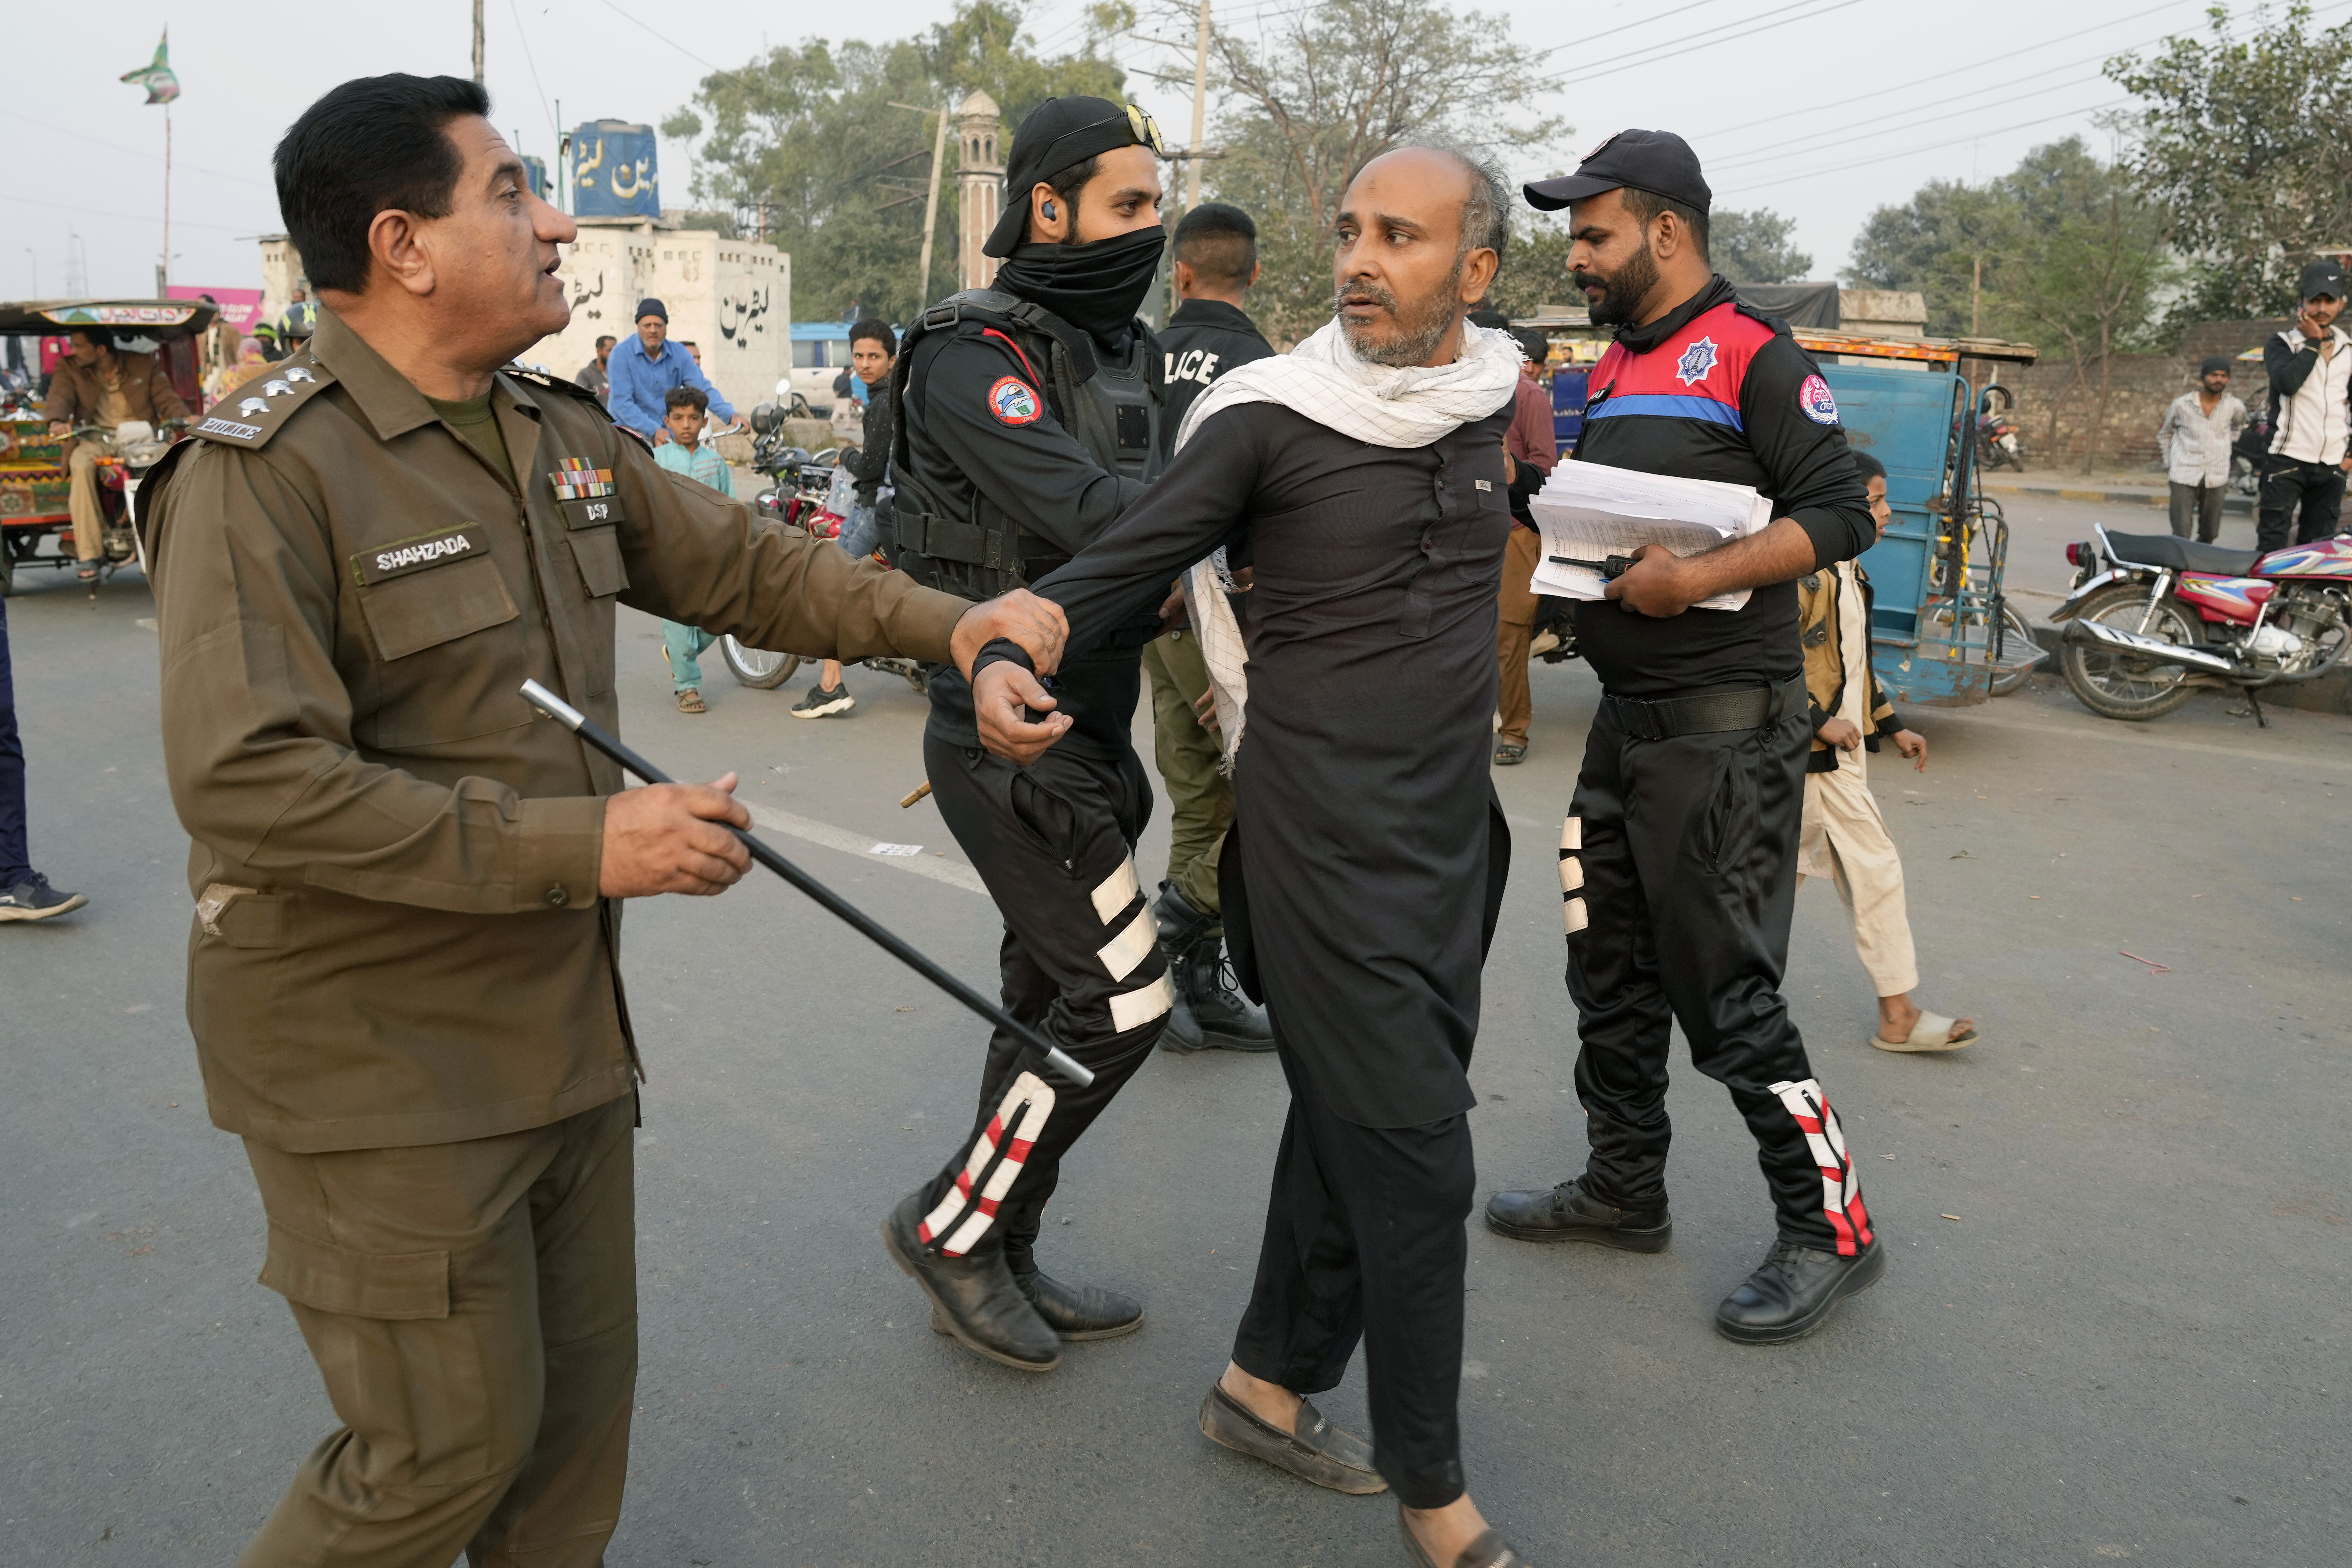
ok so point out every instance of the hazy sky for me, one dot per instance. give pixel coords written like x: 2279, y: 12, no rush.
x: 1820, y: 109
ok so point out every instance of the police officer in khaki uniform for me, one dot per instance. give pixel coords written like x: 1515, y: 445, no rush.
x: 403, y: 974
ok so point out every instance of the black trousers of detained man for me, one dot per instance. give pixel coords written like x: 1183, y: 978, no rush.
x: 1364, y: 1241
x: 1080, y: 962
x: 1679, y: 876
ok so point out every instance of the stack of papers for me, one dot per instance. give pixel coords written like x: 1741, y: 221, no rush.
x: 1589, y: 511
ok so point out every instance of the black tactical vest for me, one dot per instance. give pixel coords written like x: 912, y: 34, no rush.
x: 1110, y: 407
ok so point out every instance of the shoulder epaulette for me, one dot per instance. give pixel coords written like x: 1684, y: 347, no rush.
x: 547, y: 380
x: 251, y: 414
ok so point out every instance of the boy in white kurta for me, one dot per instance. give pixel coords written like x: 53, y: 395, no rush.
x: 1843, y: 836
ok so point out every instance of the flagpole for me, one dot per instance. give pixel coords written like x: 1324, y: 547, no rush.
x: 163, y: 273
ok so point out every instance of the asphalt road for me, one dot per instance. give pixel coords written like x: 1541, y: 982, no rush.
x: 2113, y: 1329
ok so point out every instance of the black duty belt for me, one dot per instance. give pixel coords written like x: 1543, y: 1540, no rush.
x: 1705, y: 711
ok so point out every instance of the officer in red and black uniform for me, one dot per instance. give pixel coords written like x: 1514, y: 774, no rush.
x: 1678, y: 860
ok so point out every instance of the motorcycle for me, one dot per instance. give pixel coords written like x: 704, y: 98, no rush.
x: 805, y: 493
x: 2150, y: 617
x: 1997, y: 431
x: 129, y: 451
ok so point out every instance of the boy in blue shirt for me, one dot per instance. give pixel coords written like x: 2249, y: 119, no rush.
x: 683, y: 453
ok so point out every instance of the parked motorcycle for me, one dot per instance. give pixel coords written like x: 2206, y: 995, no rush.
x: 1997, y: 430
x: 2152, y: 616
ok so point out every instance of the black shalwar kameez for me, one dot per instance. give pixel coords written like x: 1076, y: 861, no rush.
x: 1369, y: 869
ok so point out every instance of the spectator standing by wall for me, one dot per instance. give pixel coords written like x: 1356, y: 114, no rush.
x: 644, y: 369
x: 593, y: 374
x: 687, y: 408
x: 2310, y: 367
x: 2195, y: 439
x: 1530, y: 450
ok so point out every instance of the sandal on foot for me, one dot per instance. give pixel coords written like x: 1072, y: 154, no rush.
x: 1510, y: 754
x: 1933, y: 1032
x: 690, y: 701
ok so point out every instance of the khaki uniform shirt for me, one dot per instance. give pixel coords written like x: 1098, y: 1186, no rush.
x: 398, y: 938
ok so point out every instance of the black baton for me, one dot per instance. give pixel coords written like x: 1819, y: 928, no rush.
x: 604, y: 740
x: 1615, y: 566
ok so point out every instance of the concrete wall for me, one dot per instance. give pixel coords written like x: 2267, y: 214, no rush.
x: 2057, y: 409
x: 731, y: 296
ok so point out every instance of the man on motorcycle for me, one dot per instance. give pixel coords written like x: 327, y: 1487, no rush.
x: 97, y: 384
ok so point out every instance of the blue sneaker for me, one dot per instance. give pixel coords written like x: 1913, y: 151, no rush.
x: 34, y: 900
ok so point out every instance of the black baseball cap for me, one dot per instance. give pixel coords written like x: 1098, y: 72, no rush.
x: 1658, y: 162
x: 1057, y: 134
x: 2322, y: 277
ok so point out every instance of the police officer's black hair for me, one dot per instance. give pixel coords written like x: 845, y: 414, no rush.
x: 1647, y: 204
x: 1872, y: 469
x: 1219, y: 243
x: 869, y: 330
x: 374, y: 143
x: 1066, y: 187
x: 684, y: 396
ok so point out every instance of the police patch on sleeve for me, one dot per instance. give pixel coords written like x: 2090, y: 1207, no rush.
x: 1814, y: 399
x: 1015, y: 401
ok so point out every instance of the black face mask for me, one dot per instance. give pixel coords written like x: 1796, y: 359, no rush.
x: 1095, y: 287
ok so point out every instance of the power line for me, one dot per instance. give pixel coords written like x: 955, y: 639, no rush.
x: 1799, y: 147
x: 524, y: 40
x: 1650, y: 54
x: 100, y: 212
x: 665, y: 37
x: 1938, y: 146
x: 1629, y: 26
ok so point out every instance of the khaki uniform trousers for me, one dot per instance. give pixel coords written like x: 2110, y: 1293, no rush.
x: 1846, y: 839
x: 81, y: 498
x: 1199, y: 798
x: 473, y: 1308
x: 1517, y: 705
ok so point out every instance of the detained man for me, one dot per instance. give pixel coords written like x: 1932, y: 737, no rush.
x: 1366, y: 860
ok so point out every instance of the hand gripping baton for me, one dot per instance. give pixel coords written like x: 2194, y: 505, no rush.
x: 604, y: 740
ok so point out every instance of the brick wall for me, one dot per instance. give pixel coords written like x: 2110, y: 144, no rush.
x: 2057, y: 402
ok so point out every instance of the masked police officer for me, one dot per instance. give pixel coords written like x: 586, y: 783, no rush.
x: 1029, y: 419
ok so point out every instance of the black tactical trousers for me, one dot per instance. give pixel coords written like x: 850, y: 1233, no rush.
x: 1679, y: 874
x: 1081, y: 963
x: 1364, y: 1241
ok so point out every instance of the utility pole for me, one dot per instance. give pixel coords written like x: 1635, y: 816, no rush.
x: 1975, y: 298
x: 1200, y: 111
x: 932, y: 211
x: 478, y: 43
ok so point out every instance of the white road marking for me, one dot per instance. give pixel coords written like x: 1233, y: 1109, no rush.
x: 862, y: 846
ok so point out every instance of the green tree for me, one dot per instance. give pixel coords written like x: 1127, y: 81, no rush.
x: 2249, y: 142
x: 1935, y: 244
x: 1535, y: 267
x: 808, y: 146
x: 1316, y: 91
x: 1755, y: 246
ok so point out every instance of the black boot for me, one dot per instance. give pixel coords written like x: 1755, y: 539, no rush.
x: 973, y: 1299
x: 1080, y: 1311
x: 1569, y: 1213
x: 1791, y: 1295
x: 1209, y: 1012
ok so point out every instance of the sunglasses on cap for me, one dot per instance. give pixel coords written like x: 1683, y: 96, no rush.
x: 1145, y: 129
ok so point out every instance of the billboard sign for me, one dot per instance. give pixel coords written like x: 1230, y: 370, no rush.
x: 613, y: 171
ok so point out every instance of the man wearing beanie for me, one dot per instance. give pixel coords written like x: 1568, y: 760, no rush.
x: 2196, y: 438
x: 1029, y: 419
x: 1678, y: 857
x: 644, y: 369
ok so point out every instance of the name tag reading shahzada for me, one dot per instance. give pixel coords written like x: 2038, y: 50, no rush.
x: 406, y: 555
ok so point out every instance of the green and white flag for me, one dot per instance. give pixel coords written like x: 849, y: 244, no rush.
x: 156, y: 76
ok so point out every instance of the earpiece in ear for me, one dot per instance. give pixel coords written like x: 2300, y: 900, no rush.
x: 1050, y: 214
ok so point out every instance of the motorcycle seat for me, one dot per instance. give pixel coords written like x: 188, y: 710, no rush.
x: 2174, y: 553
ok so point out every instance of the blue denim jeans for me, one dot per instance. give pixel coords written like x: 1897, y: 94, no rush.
x: 16, y: 857
x: 861, y: 531
x: 685, y: 645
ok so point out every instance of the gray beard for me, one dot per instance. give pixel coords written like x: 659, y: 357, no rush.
x: 1420, y: 330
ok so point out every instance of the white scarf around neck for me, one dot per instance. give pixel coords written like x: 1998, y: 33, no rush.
x: 1384, y: 406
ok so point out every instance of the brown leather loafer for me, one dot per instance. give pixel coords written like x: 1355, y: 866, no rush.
x: 1313, y: 1450
x: 1489, y: 1551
